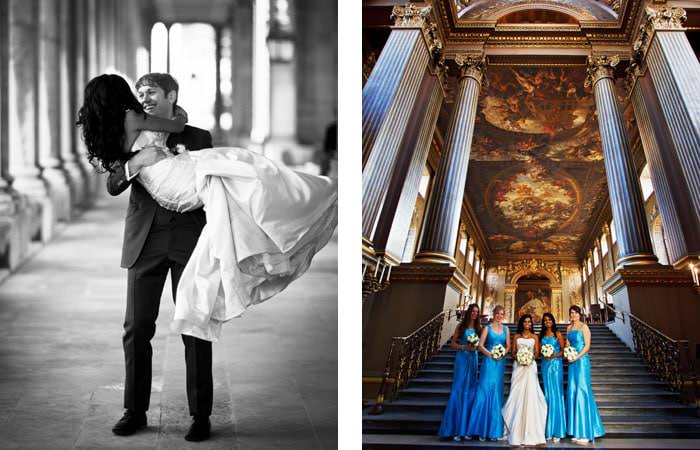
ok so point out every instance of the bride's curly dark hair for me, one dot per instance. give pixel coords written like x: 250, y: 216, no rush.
x: 106, y: 99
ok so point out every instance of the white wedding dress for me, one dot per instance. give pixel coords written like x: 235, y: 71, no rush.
x: 264, y: 225
x: 525, y: 411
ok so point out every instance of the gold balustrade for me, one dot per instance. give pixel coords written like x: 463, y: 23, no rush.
x: 407, y: 355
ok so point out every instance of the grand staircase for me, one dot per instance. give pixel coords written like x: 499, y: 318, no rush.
x: 631, y: 401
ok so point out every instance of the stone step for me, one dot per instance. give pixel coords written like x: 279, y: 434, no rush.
x: 595, y: 381
x: 606, y: 408
x: 610, y: 365
x: 602, y: 393
x: 620, y: 371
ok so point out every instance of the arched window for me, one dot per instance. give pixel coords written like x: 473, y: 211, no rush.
x: 604, y: 244
x: 645, y: 182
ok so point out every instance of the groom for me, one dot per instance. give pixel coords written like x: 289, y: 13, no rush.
x: 156, y: 241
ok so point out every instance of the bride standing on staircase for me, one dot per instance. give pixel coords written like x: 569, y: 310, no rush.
x: 525, y: 412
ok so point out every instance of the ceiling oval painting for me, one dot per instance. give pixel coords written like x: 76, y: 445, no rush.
x: 536, y: 173
x: 533, y: 201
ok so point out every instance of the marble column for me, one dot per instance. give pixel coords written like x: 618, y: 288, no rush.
x: 242, y: 70
x: 49, y: 110
x: 390, y: 229
x: 392, y: 87
x: 442, y: 219
x: 22, y: 98
x: 610, y: 257
x: 401, y: 90
x: 674, y: 68
x: 626, y: 199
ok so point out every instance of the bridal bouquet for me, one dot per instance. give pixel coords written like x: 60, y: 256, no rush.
x: 473, y: 339
x: 547, y: 350
x: 570, y: 353
x: 498, y: 351
x: 525, y: 355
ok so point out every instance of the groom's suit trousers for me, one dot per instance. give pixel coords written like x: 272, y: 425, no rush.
x: 167, y: 248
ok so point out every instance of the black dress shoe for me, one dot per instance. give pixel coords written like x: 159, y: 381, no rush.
x: 129, y: 423
x: 199, y: 430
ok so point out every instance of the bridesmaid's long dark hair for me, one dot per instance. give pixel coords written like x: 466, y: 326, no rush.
x: 106, y: 99
x: 464, y: 324
x: 543, y: 330
x: 521, y: 324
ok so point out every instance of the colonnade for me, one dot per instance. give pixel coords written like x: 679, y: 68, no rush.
x: 49, y: 50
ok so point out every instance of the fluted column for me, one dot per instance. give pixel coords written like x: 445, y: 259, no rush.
x: 400, y: 104
x: 626, y: 199
x: 610, y: 257
x: 675, y: 70
x: 442, y: 220
x: 49, y: 110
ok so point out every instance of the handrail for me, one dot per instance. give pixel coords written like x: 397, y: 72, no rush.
x: 669, y: 358
x: 407, y: 355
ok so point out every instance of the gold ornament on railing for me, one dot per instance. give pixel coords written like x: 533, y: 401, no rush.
x: 407, y: 355
x: 669, y: 359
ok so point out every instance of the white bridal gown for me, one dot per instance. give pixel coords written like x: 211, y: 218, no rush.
x: 264, y: 225
x: 525, y: 412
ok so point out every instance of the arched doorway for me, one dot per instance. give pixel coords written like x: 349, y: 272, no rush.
x: 533, y: 296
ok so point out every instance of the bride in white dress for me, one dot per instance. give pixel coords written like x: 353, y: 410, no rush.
x: 525, y: 411
x: 265, y: 222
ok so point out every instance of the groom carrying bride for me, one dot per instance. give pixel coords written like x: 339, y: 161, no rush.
x: 158, y: 241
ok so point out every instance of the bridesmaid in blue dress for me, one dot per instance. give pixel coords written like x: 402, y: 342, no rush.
x: 553, y: 379
x: 582, y: 417
x: 485, y: 419
x: 454, y: 420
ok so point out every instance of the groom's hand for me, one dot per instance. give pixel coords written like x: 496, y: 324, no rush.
x: 147, y: 156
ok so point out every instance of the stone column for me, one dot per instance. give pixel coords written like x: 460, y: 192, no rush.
x: 400, y: 103
x: 608, y: 241
x: 442, y: 220
x: 675, y: 71
x: 14, y: 224
x: 22, y: 98
x: 68, y: 64
x: 49, y: 110
x: 242, y: 70
x: 626, y: 199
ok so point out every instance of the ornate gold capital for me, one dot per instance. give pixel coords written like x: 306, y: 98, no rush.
x: 471, y: 65
x: 410, y: 16
x: 661, y: 19
x: 665, y: 18
x: 600, y: 66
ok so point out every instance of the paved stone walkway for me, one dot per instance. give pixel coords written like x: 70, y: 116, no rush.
x: 61, y: 384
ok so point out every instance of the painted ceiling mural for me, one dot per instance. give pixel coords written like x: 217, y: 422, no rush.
x: 536, y: 172
x: 492, y: 9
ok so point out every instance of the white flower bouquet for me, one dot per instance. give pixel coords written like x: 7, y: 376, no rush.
x: 570, y: 353
x: 547, y: 350
x: 525, y: 355
x: 498, y: 351
x: 473, y: 339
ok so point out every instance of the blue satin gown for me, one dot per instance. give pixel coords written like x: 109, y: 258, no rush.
x: 485, y: 419
x: 454, y: 420
x: 582, y: 417
x: 553, y: 381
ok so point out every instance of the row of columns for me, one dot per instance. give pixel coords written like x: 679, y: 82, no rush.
x: 395, y: 105
x: 49, y: 52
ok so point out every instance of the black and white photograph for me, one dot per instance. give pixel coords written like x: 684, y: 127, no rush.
x: 168, y: 224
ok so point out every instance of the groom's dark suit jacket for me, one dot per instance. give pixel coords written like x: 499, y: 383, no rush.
x: 143, y: 209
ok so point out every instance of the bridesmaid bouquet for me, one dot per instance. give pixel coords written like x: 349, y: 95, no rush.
x: 498, y: 351
x: 525, y: 355
x: 570, y: 353
x: 473, y: 339
x: 547, y: 350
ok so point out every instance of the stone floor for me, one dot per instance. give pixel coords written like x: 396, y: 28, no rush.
x: 275, y: 369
